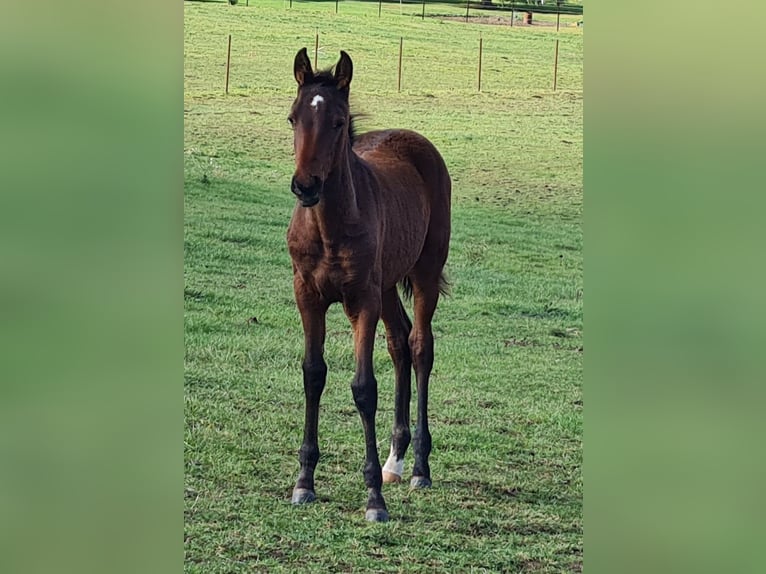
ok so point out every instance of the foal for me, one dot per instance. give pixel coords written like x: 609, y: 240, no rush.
x: 373, y: 210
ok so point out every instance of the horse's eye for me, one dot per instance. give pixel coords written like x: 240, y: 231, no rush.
x: 338, y: 124
x: 291, y: 121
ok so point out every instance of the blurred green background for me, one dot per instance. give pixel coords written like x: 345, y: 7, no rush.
x: 91, y: 341
x: 674, y: 271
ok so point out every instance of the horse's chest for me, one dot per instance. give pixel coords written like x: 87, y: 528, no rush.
x: 332, y: 270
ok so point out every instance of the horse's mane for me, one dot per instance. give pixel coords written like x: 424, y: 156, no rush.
x: 326, y: 79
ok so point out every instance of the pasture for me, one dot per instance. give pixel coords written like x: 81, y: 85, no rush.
x: 505, y: 397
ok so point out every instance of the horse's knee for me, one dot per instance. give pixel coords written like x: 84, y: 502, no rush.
x: 315, y: 370
x: 365, y: 391
x: 314, y: 375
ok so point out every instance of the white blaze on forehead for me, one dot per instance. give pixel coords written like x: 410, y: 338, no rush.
x: 394, y: 465
x: 316, y: 101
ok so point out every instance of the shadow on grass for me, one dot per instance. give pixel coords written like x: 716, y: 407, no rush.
x: 474, y: 493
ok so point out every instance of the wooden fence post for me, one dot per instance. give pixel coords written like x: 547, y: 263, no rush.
x: 228, y: 63
x: 401, y: 42
x: 481, y: 42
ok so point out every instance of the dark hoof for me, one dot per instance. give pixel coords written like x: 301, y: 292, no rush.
x: 376, y: 515
x: 303, y: 496
x: 420, y: 482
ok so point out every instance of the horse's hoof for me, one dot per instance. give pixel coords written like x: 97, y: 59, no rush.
x: 376, y: 515
x: 303, y: 496
x: 420, y: 482
x: 390, y: 477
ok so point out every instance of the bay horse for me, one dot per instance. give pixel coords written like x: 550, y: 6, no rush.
x: 372, y: 211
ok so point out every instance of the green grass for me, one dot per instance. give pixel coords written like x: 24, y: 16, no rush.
x: 506, y: 396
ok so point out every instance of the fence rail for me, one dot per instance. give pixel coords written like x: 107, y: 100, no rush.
x: 534, y: 6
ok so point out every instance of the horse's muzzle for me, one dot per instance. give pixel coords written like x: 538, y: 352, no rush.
x: 307, y: 195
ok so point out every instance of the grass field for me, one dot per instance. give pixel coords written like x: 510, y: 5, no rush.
x: 506, y: 395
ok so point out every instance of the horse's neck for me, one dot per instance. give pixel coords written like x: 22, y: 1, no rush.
x: 339, y: 211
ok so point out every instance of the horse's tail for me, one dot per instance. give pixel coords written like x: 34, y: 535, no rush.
x: 406, y: 285
x: 443, y: 284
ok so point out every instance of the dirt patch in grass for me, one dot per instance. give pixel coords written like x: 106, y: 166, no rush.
x: 502, y: 21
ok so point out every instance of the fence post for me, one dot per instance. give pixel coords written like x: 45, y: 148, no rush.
x: 316, y: 50
x: 481, y: 42
x: 556, y: 66
x: 423, y: 17
x: 467, y: 4
x: 513, y: 14
x: 336, y: 6
x: 558, y: 14
x: 228, y: 63
x: 399, y: 85
x: 380, y: 5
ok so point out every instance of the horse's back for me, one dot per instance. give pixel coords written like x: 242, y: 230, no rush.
x: 392, y: 151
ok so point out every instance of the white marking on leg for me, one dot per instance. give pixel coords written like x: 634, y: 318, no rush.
x: 394, y: 465
x: 316, y: 101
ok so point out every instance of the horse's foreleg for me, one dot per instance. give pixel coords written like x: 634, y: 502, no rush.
x: 364, y: 318
x: 398, y: 328
x: 313, y: 314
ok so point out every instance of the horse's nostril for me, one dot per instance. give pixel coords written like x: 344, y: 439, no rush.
x: 297, y: 188
x: 306, y: 191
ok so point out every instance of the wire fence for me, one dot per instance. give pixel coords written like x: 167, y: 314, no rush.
x: 491, y: 63
x: 431, y: 8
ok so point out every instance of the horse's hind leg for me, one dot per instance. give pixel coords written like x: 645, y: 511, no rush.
x: 398, y: 329
x: 426, y: 295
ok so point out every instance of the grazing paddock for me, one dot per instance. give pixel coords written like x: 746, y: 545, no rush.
x: 505, y: 395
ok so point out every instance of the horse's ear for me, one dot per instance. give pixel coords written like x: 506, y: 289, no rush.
x: 344, y: 69
x: 302, y: 67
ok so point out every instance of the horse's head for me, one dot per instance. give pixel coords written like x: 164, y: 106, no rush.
x: 320, y: 119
